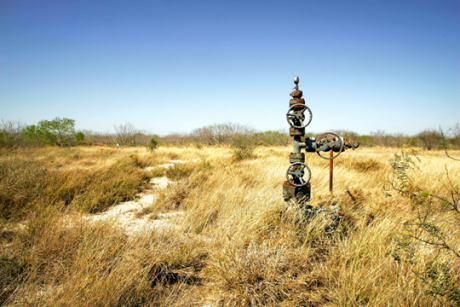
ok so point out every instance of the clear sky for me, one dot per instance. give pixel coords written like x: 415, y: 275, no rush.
x: 172, y: 66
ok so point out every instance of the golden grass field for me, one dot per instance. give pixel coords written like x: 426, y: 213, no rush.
x: 237, y: 242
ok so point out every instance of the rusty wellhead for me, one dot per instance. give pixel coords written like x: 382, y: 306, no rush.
x: 328, y: 146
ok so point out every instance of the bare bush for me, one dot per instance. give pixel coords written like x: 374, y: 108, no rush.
x: 347, y: 134
x: 127, y: 134
x: 220, y: 134
x: 381, y: 138
x: 272, y: 138
x: 98, y: 138
x: 11, y: 133
x: 124, y: 134
x: 456, y: 135
x: 178, y: 139
x: 399, y: 139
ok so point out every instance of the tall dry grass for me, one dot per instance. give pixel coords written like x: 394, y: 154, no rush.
x: 239, y: 243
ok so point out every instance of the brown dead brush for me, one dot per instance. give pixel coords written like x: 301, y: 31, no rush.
x: 238, y: 242
x: 262, y: 274
x: 26, y: 182
x: 367, y: 165
x: 179, y: 171
x: 96, y: 265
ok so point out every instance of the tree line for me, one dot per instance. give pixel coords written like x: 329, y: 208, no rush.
x: 62, y: 132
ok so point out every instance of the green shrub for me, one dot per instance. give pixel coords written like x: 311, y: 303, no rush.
x: 79, y: 137
x: 152, y: 145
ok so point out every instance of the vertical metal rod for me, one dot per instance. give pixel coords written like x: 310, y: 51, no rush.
x: 331, y: 171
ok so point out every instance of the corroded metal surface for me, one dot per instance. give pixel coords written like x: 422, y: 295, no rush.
x: 299, y: 115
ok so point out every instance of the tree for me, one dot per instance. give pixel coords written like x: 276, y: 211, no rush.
x: 31, y: 135
x: 59, y: 131
x: 430, y: 139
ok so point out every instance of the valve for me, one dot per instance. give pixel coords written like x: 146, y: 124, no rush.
x: 329, y: 141
x: 296, y: 116
x: 298, y: 186
x: 351, y: 144
x: 297, y: 171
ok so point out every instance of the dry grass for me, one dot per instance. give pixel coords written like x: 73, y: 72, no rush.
x: 233, y: 248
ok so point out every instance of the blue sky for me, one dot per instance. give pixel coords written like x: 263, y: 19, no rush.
x: 172, y: 66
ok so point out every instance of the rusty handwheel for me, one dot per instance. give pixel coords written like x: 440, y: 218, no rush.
x: 297, y: 171
x: 296, y: 116
x: 329, y: 141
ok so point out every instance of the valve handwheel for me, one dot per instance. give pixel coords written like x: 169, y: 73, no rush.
x: 296, y: 116
x: 329, y: 141
x: 297, y: 171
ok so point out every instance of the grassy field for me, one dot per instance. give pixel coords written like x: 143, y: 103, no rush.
x: 237, y: 242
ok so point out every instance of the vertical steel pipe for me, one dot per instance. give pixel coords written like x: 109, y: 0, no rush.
x: 331, y: 171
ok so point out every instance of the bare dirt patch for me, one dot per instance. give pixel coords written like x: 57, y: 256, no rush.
x: 128, y: 215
